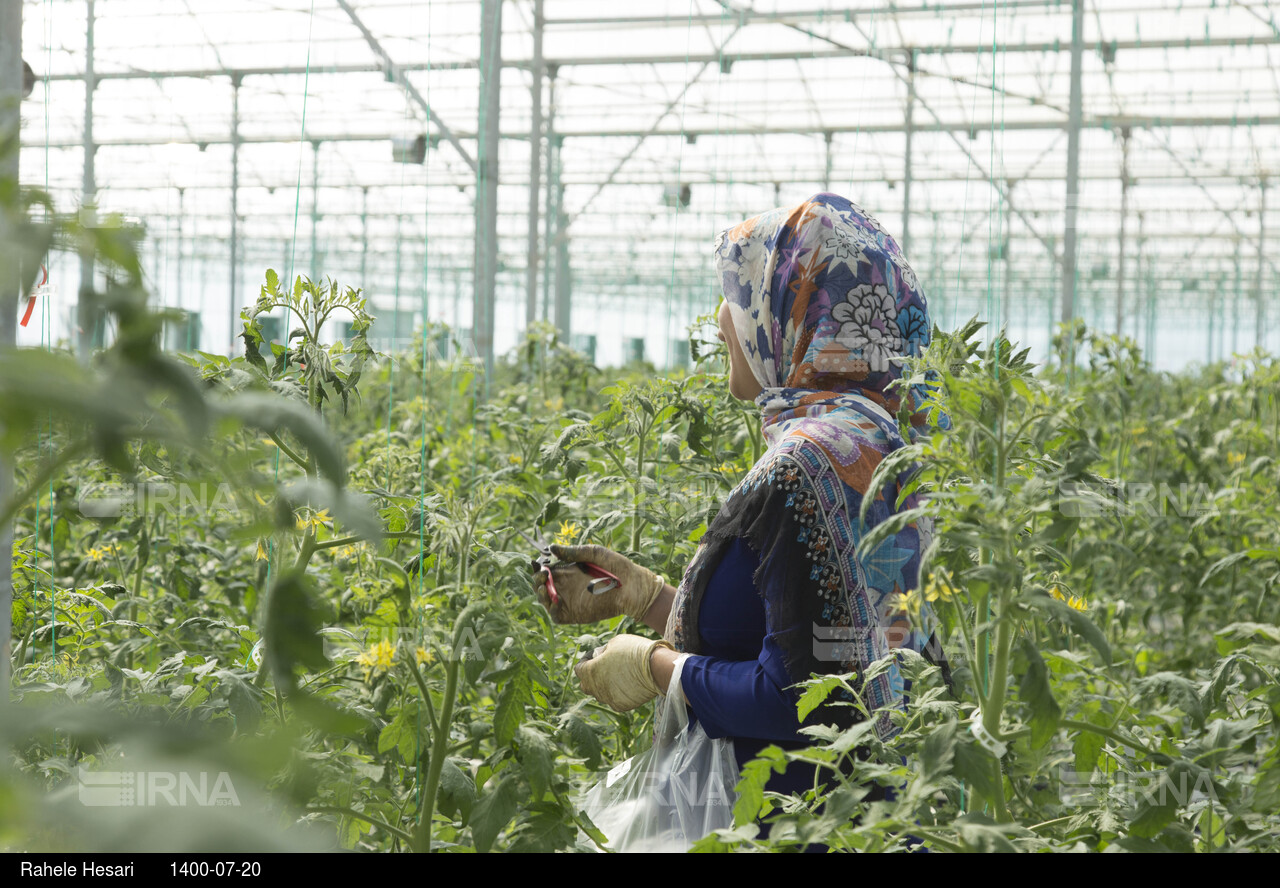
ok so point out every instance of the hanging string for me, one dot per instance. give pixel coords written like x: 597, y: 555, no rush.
x: 713, y: 291
x: 293, y: 249
x: 47, y: 344
x: 675, y: 222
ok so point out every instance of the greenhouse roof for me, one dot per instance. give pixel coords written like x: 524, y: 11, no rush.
x: 746, y: 104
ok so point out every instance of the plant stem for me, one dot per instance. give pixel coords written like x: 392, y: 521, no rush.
x: 359, y: 815
x: 438, y: 747
x: 426, y: 694
x: 43, y: 474
x: 1110, y: 734
x: 933, y: 838
x: 309, y: 547
x: 287, y: 450
x: 636, y: 486
x: 137, y: 582
x: 352, y: 540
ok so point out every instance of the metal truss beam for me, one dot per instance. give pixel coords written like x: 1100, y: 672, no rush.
x: 899, y: 53
x: 396, y: 74
x: 1106, y: 122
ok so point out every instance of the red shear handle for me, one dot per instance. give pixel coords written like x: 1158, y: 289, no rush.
x: 597, y: 572
x: 551, y: 584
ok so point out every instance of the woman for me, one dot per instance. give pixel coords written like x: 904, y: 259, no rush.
x: 819, y: 307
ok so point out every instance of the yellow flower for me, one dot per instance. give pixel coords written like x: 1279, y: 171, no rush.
x: 262, y: 551
x: 908, y: 602
x: 317, y: 519
x: 1071, y: 601
x: 938, y: 589
x: 104, y: 553
x: 567, y: 534
x: 1137, y: 430
x: 424, y: 656
x: 378, y: 658
x: 515, y: 459
x: 1235, y: 458
x: 726, y: 467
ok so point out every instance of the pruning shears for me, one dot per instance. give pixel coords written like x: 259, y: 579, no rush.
x: 601, y: 580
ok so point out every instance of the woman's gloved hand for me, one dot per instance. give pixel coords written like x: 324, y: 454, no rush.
x: 620, y: 674
x: 640, y: 586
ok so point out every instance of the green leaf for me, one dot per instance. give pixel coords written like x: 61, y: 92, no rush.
x: 1179, y: 690
x: 1157, y: 804
x: 584, y: 741
x: 509, y: 712
x: 457, y: 791
x: 327, y: 717
x: 292, y: 630
x: 272, y: 413
x: 1077, y: 620
x: 389, y: 736
x: 493, y: 812
x: 1087, y: 747
x: 534, y: 752
x: 938, y: 751
x: 1217, y: 684
x: 755, y: 775
x: 1034, y: 690
x: 980, y: 834
x: 815, y: 694
x: 699, y: 432
x: 976, y: 767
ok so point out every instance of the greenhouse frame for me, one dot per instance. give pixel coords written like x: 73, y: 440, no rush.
x: 1039, y: 159
x: 721, y: 426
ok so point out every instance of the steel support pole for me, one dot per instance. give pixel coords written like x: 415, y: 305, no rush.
x: 11, y: 89
x: 395, y: 314
x: 827, y: 138
x: 909, y: 133
x: 86, y: 312
x: 564, y: 285
x: 179, y: 290
x: 1208, y: 348
x: 486, y: 239
x: 1075, y: 116
x: 10, y: 123
x: 315, y: 214
x: 364, y: 237
x: 1143, y: 275
x: 549, y: 216
x: 535, y: 168
x: 1124, y: 218
x: 1260, y: 302
x: 235, y: 208
x: 1006, y: 250
x: 1235, y: 302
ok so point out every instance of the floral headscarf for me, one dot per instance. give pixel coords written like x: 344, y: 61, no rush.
x: 822, y: 299
x: 824, y: 306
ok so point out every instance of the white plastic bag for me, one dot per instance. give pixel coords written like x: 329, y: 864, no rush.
x: 666, y: 798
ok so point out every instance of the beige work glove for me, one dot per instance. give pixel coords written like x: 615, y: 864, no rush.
x: 620, y: 674
x: 640, y: 586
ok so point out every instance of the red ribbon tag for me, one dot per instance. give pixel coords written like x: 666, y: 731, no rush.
x: 31, y: 300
